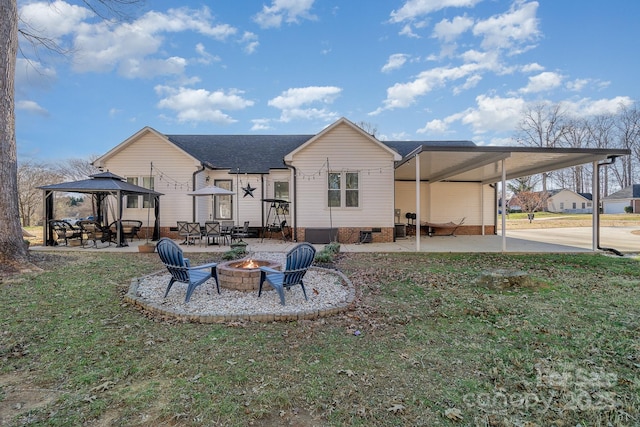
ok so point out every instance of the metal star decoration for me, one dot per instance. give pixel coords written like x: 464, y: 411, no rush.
x: 248, y: 190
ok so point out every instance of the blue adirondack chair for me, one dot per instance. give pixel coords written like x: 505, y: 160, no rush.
x: 299, y: 259
x: 181, y: 270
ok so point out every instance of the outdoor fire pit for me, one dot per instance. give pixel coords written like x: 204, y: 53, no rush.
x: 244, y: 275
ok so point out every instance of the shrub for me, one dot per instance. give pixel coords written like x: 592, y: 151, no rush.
x: 327, y: 254
x: 234, y: 253
x: 628, y: 209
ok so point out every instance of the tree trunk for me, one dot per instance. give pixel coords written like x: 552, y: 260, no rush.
x: 13, y: 251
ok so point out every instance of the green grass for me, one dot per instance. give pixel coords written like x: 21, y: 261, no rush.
x: 430, y: 340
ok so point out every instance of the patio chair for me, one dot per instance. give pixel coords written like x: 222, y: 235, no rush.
x: 181, y: 270
x: 299, y: 259
x: 130, y: 228
x: 212, y: 231
x: 64, y: 231
x: 94, y: 231
x: 182, y: 231
x: 193, y: 232
x: 226, y: 227
x: 239, y: 233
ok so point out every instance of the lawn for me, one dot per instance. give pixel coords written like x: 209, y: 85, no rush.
x: 425, y: 344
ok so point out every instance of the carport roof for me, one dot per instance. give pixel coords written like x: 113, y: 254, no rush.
x: 466, y: 163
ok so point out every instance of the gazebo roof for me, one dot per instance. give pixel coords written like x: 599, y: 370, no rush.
x: 104, y: 182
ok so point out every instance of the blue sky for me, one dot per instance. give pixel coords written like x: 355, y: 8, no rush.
x: 413, y: 69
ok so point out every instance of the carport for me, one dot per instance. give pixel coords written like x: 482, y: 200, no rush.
x: 492, y: 165
x: 100, y: 186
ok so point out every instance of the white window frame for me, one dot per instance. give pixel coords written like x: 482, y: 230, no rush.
x: 344, y: 190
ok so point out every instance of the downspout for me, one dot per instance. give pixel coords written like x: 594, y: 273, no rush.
x: 596, y: 206
x: 193, y: 186
x: 295, y: 200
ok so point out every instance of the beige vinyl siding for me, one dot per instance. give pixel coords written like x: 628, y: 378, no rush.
x: 452, y: 201
x: 172, y: 173
x: 447, y: 201
x: 346, y: 150
x: 406, y: 199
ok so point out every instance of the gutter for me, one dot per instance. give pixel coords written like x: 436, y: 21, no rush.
x: 596, y: 209
x: 193, y: 186
x: 295, y: 199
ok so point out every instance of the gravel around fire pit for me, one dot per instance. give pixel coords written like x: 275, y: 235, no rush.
x: 328, y: 291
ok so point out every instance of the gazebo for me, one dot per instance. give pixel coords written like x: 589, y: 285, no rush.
x: 100, y: 186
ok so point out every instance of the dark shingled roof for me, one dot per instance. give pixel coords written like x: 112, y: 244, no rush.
x: 240, y: 153
x: 630, y: 192
x: 260, y: 153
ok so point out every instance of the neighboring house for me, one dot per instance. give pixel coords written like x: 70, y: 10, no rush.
x: 616, y: 202
x: 567, y: 201
x: 337, y: 183
x: 558, y: 201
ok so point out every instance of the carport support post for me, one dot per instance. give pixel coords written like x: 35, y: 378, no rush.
x: 417, y: 225
x: 504, y: 207
x: 595, y: 202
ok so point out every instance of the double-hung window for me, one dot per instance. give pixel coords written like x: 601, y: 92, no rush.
x: 132, y: 201
x: 343, y: 190
x: 148, y: 201
x: 223, y: 204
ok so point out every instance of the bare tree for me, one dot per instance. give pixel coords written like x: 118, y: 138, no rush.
x: 602, y: 135
x: 543, y: 125
x: 628, y: 126
x: 369, y: 128
x: 12, y: 248
x: 13, y: 252
x: 31, y: 175
x: 77, y: 169
x: 576, y: 135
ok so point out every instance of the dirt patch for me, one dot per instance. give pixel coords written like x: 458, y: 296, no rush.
x: 19, y: 397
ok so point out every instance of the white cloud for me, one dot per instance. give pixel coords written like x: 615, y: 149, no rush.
x: 495, y: 114
x: 261, y: 124
x: 32, y: 107
x: 395, y: 61
x: 543, y: 82
x: 289, y: 11
x: 403, y: 95
x: 297, y: 97
x: 201, y: 105
x: 448, y: 31
x: 434, y: 126
x: 534, y: 67
x: 415, y: 8
x: 127, y: 47
x: 587, y: 107
x: 250, y: 41
x: 471, y: 82
x: 491, y: 114
x: 53, y: 20
x: 578, y: 84
x: 292, y: 101
x: 509, y: 30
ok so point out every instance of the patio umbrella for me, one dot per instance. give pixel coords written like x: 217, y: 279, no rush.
x: 211, y: 190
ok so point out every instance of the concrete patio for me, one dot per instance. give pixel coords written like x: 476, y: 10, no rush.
x: 550, y: 240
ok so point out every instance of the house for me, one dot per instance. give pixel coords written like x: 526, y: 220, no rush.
x: 567, y: 201
x: 335, y: 184
x: 616, y: 202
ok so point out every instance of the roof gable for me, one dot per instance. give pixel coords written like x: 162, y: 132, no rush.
x: 100, y: 161
x: 343, y: 122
